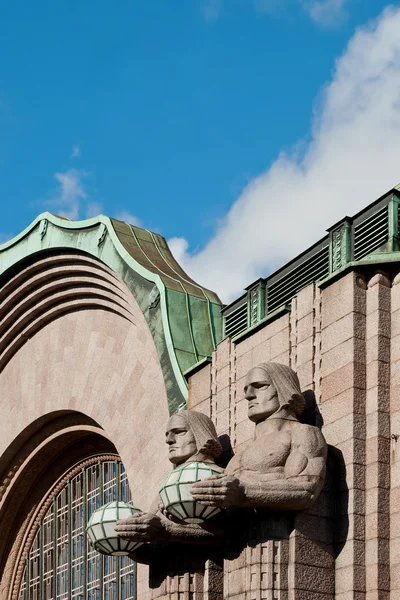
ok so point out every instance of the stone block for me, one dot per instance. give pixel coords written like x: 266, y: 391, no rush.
x: 395, y: 323
x: 395, y: 349
x: 350, y: 326
x: 305, y: 351
x: 261, y: 353
x: 377, y: 578
x: 378, y: 349
x: 273, y: 328
x: 204, y: 407
x: 305, y: 301
x: 377, y: 551
x: 244, y: 431
x: 246, y: 345
x: 338, y: 381
x: 315, y: 528
x: 377, y: 525
x: 350, y: 578
x: 378, y: 424
x: 200, y: 386
x: 314, y: 579
x: 305, y: 327
x: 241, y: 410
x: 395, y: 550
x: 310, y: 552
x: 352, y: 553
x: 378, y: 322
x: 377, y: 399
x: 378, y: 298
x: 344, y: 429
x: 222, y: 399
x: 280, y: 343
x: 222, y: 421
x: 223, y: 377
x: 348, y: 403
x: 305, y: 373
x: 283, y: 358
x: 222, y: 354
x: 377, y: 449
x: 353, y: 451
x: 353, y: 350
x: 377, y: 476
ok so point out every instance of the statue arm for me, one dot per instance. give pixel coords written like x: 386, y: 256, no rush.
x: 206, y: 533
x: 155, y: 526
x: 294, y: 487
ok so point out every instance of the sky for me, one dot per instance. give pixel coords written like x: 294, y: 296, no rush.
x: 238, y: 129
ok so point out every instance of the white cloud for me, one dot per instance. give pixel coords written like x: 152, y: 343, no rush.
x: 322, y: 12
x: 124, y: 215
x: 76, y: 152
x: 353, y: 158
x: 211, y: 9
x: 70, y: 194
x: 179, y: 247
x: 326, y: 12
x: 93, y: 209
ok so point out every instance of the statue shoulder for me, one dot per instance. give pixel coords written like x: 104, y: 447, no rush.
x: 309, y: 439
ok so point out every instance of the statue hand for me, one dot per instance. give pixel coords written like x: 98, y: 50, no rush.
x: 142, y: 527
x: 219, y: 490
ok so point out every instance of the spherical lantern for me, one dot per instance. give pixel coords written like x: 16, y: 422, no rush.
x: 176, y: 497
x: 101, y: 533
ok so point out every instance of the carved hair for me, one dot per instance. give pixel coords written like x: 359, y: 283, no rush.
x: 204, y: 432
x: 287, y: 385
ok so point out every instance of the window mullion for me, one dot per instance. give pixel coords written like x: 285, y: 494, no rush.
x: 69, y: 544
x: 40, y: 557
x: 54, y: 561
x: 101, y: 495
x: 118, y: 497
x: 85, y: 542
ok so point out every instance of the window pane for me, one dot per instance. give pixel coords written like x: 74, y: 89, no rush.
x: 60, y: 564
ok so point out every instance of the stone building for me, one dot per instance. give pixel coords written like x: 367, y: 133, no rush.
x: 103, y: 336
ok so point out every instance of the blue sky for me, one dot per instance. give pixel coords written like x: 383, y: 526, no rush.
x: 183, y: 114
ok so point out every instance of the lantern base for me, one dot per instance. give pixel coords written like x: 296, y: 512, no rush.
x: 194, y: 520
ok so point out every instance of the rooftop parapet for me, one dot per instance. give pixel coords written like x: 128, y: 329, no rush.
x: 369, y: 238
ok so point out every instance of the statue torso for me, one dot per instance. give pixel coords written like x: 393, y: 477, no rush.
x: 268, y: 453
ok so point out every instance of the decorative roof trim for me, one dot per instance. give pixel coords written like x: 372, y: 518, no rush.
x: 50, y: 232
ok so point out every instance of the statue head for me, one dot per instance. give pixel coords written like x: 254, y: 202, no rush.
x: 191, y: 436
x: 271, y: 388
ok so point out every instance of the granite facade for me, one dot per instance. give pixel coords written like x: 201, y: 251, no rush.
x: 97, y: 370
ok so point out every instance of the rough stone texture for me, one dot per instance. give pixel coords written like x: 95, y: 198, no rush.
x: 377, y: 458
x: 96, y: 363
x: 345, y: 361
x: 394, y: 441
x: 344, y: 343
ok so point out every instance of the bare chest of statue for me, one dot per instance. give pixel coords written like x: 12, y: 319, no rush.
x: 266, y: 454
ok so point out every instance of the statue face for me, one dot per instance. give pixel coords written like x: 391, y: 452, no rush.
x: 261, y: 395
x: 180, y: 439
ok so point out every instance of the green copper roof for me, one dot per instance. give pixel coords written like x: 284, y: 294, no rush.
x: 185, y: 319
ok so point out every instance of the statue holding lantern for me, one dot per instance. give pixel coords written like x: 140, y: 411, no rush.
x: 282, y: 469
x: 175, y: 516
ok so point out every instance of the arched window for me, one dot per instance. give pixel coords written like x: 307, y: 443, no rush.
x: 60, y: 564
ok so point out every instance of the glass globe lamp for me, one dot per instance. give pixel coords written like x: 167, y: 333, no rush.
x: 101, y: 533
x: 176, y: 497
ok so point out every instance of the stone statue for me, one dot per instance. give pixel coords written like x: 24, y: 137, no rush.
x: 283, y: 468
x: 191, y: 437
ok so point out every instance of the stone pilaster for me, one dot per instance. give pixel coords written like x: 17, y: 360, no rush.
x: 377, y: 476
x: 343, y: 410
